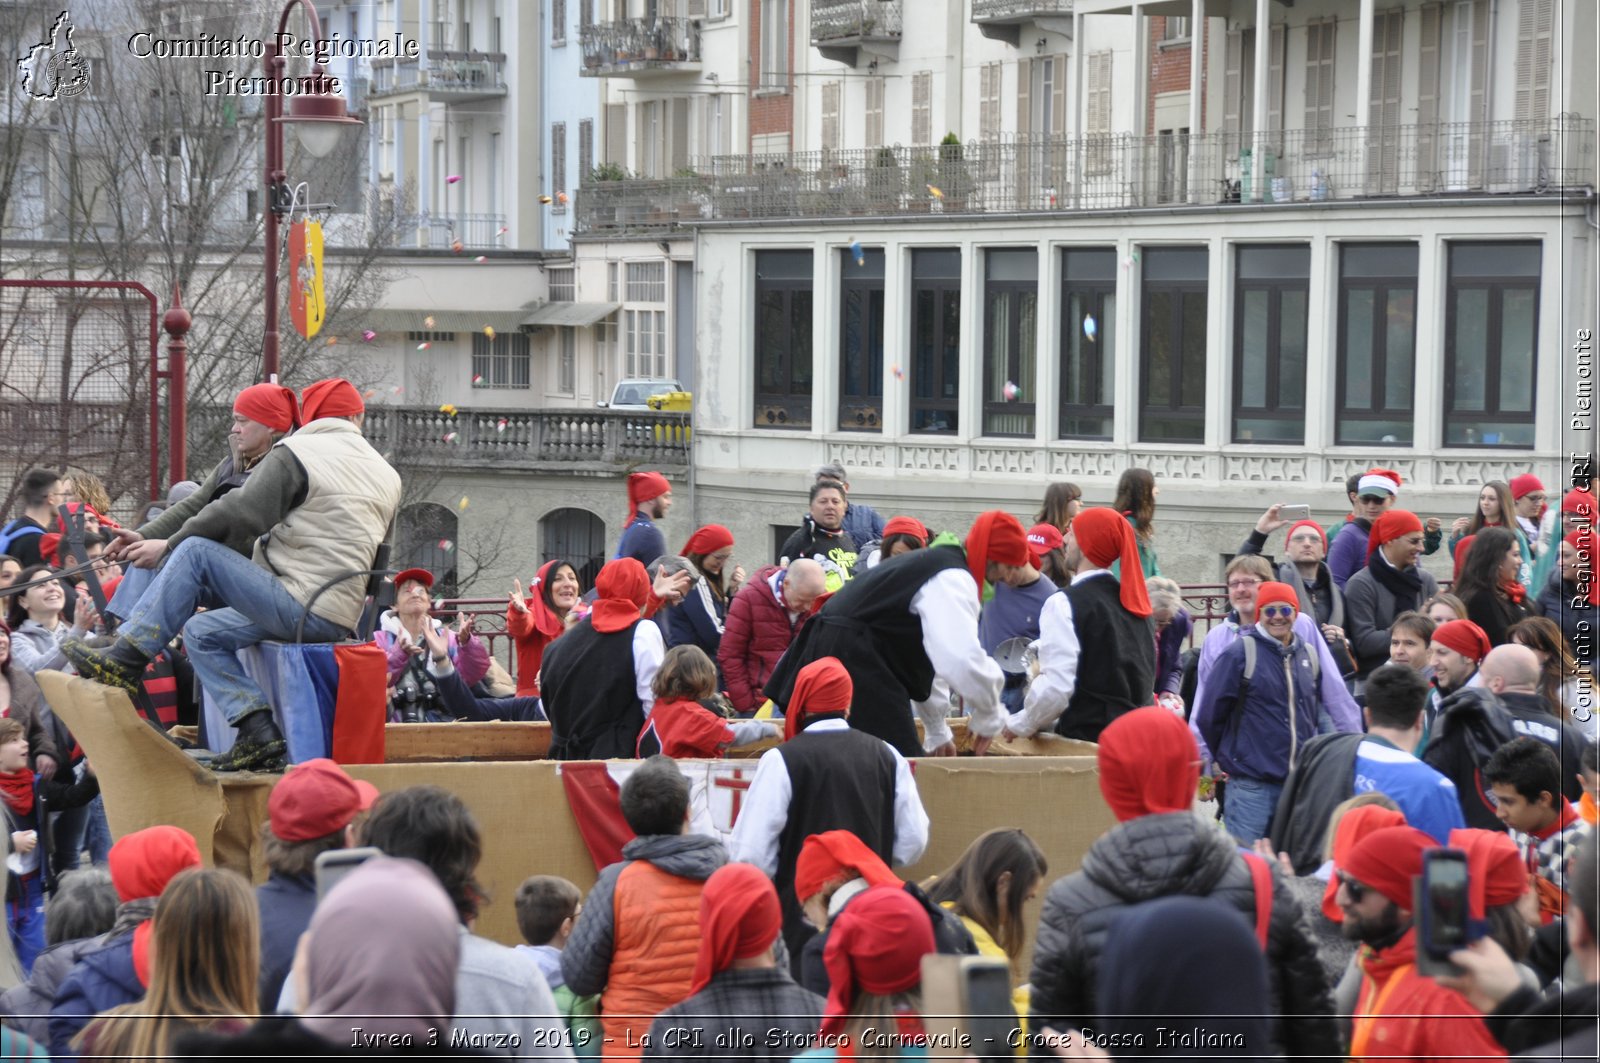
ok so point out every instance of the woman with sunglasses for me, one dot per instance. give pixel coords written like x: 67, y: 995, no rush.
x: 1255, y: 725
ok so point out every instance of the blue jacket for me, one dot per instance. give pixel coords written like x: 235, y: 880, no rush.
x: 101, y: 980
x: 642, y: 541
x: 1248, y: 731
x: 286, y: 903
x: 862, y: 523
x: 1580, y: 623
x: 698, y: 621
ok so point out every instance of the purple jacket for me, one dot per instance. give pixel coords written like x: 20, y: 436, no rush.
x: 1348, y: 554
x: 1169, y: 653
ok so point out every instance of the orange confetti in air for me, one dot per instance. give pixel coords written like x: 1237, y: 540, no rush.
x: 456, y: 246
x: 369, y: 393
x: 424, y: 345
x: 428, y: 321
x: 546, y: 199
x: 488, y: 331
x: 448, y: 409
x: 332, y: 340
x: 561, y: 197
x: 935, y: 192
x: 463, y: 503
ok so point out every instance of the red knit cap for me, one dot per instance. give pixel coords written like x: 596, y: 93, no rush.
x: 876, y: 944
x: 1313, y: 525
x: 642, y: 487
x: 707, y: 540
x: 1105, y: 536
x: 1463, y: 636
x: 1273, y: 592
x: 995, y: 536
x: 334, y: 397
x: 1043, y: 538
x: 907, y: 526
x: 1579, y: 503
x: 1353, y: 826
x: 1496, y: 874
x: 1587, y: 543
x: 623, y: 589
x: 1387, y: 860
x: 1391, y: 525
x: 142, y: 863
x: 827, y: 855
x: 739, y: 917
x: 272, y: 405
x: 820, y: 687
x: 1148, y: 762
x: 1525, y: 484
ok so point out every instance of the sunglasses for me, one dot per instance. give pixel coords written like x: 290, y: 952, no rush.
x: 1356, y: 890
x: 1374, y: 500
x: 1278, y: 610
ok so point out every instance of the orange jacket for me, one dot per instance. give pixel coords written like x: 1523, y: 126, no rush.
x: 652, y: 963
x: 1400, y: 1013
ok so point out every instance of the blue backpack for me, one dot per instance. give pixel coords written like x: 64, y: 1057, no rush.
x: 12, y: 532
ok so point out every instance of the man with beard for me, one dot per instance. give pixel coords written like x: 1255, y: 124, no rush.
x: 1391, y: 583
x: 1400, y: 1013
x: 649, y: 498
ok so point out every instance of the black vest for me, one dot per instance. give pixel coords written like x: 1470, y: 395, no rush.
x: 838, y: 780
x: 588, y: 686
x: 1116, y: 659
x: 870, y: 628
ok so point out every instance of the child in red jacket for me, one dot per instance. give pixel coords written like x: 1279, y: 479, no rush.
x: 680, y: 725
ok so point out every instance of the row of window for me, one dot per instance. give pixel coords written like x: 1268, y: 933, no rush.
x: 1489, y: 343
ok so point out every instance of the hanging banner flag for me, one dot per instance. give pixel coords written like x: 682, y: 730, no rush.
x: 307, y: 304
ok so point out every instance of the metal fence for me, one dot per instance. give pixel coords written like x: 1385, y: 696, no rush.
x: 447, y: 73
x: 988, y: 9
x: 527, y: 439
x: 638, y: 43
x: 1024, y: 174
x: 476, y: 232
x: 833, y: 20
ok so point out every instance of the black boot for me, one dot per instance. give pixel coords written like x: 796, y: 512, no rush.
x: 118, y: 665
x: 258, y: 747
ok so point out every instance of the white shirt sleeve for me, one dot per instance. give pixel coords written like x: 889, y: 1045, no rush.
x: 933, y: 712
x: 1051, y: 691
x: 765, y: 813
x: 910, y: 818
x: 648, y: 653
x: 947, y: 605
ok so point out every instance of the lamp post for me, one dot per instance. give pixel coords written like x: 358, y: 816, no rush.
x: 319, y: 118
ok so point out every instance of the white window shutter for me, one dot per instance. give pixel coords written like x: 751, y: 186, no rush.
x: 1058, y: 106
x: 1480, y: 80
x: 697, y: 8
x: 617, y: 133
x: 830, y: 116
x: 922, y: 107
x: 1535, y: 23
x: 1277, y: 46
x: 1024, y: 102
x: 680, y: 136
x: 1233, y: 85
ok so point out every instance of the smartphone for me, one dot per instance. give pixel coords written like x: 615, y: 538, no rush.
x: 335, y: 864
x: 1288, y: 512
x: 1442, y: 908
x: 966, y: 1008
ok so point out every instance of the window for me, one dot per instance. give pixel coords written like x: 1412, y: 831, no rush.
x: 1271, y: 286
x: 558, y: 163
x: 989, y: 101
x: 422, y: 533
x: 774, y: 45
x: 1377, y: 343
x: 577, y: 536
x: 1010, y: 341
x: 1491, y: 361
x: 585, y: 14
x: 605, y: 343
x: 935, y: 339
x: 566, y: 359
x: 1172, y: 360
x: 644, y: 348
x: 558, y: 21
x: 861, y: 298
x: 1175, y: 29
x: 501, y: 362
x: 562, y: 286
x: 1319, y: 84
x: 874, y: 116
x: 585, y: 149
x: 611, y: 283
x: 922, y: 107
x: 1100, y: 156
x: 647, y: 282
x: 830, y: 115
x: 1535, y: 43
x: 712, y: 141
x: 783, y: 339
x: 1088, y: 341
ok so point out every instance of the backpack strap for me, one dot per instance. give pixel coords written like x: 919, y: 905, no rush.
x: 1249, y: 662
x: 1261, y: 879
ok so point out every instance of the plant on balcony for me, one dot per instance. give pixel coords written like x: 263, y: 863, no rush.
x: 884, y: 181
x: 952, y: 176
x: 609, y: 171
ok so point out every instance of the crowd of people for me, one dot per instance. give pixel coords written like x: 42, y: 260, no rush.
x: 1295, y: 768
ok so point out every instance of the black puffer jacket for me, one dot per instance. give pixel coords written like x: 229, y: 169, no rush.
x: 1163, y: 855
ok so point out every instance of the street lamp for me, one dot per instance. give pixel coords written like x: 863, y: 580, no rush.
x: 319, y: 117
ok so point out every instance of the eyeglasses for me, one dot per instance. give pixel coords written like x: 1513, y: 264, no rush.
x: 1242, y: 584
x: 1373, y: 500
x: 1535, y: 496
x: 1356, y: 890
x: 1306, y: 537
x: 1272, y: 611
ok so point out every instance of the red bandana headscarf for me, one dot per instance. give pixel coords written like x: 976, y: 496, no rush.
x: 1105, y: 536
x: 739, y: 917
x: 1388, y: 859
x: 822, y: 686
x: 876, y: 944
x: 907, y: 526
x: 272, y: 405
x: 1587, y: 543
x: 707, y: 540
x: 1496, y: 874
x: 545, y: 620
x: 1149, y: 762
x: 825, y: 856
x: 642, y: 487
x: 1353, y: 826
x: 1391, y: 525
x: 995, y: 536
x: 1463, y: 636
x: 623, y: 590
x: 1579, y: 503
x: 142, y: 863
x: 334, y: 397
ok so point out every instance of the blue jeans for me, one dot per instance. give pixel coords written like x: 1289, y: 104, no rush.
x: 258, y: 609
x: 135, y: 581
x: 25, y: 919
x: 1247, y: 808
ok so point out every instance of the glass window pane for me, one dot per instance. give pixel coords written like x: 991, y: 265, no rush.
x: 851, y: 342
x: 951, y: 339
x: 1357, y: 369
x: 1027, y: 346
x: 782, y: 265
x: 1093, y: 264
x: 1471, y: 348
x: 1378, y: 260
x: 938, y: 263
x: 1012, y: 265
x: 1158, y: 326
x: 1194, y: 349
x: 770, y: 332
x: 1292, y: 350
x: 872, y: 386
x: 1517, y: 308
x: 870, y: 267
x: 1274, y: 263
x: 800, y: 344
x: 1075, y: 369
x: 1400, y: 333
x: 923, y: 326
x: 1175, y: 263
x: 1253, y: 350
x: 997, y: 343
x: 1494, y: 260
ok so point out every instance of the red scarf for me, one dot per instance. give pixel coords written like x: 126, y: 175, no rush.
x: 1513, y: 590
x: 17, y: 789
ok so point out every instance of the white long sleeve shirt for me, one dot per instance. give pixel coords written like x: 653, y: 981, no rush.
x: 947, y: 605
x: 1051, y: 691
x: 766, y: 809
x: 649, y: 650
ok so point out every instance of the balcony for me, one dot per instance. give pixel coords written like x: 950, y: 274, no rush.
x: 531, y: 440
x: 842, y: 29
x: 439, y: 232
x: 1042, y: 174
x: 641, y: 48
x: 1002, y: 20
x: 448, y: 77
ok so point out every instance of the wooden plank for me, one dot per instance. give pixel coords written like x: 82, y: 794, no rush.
x: 1042, y: 745
x: 414, y: 743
